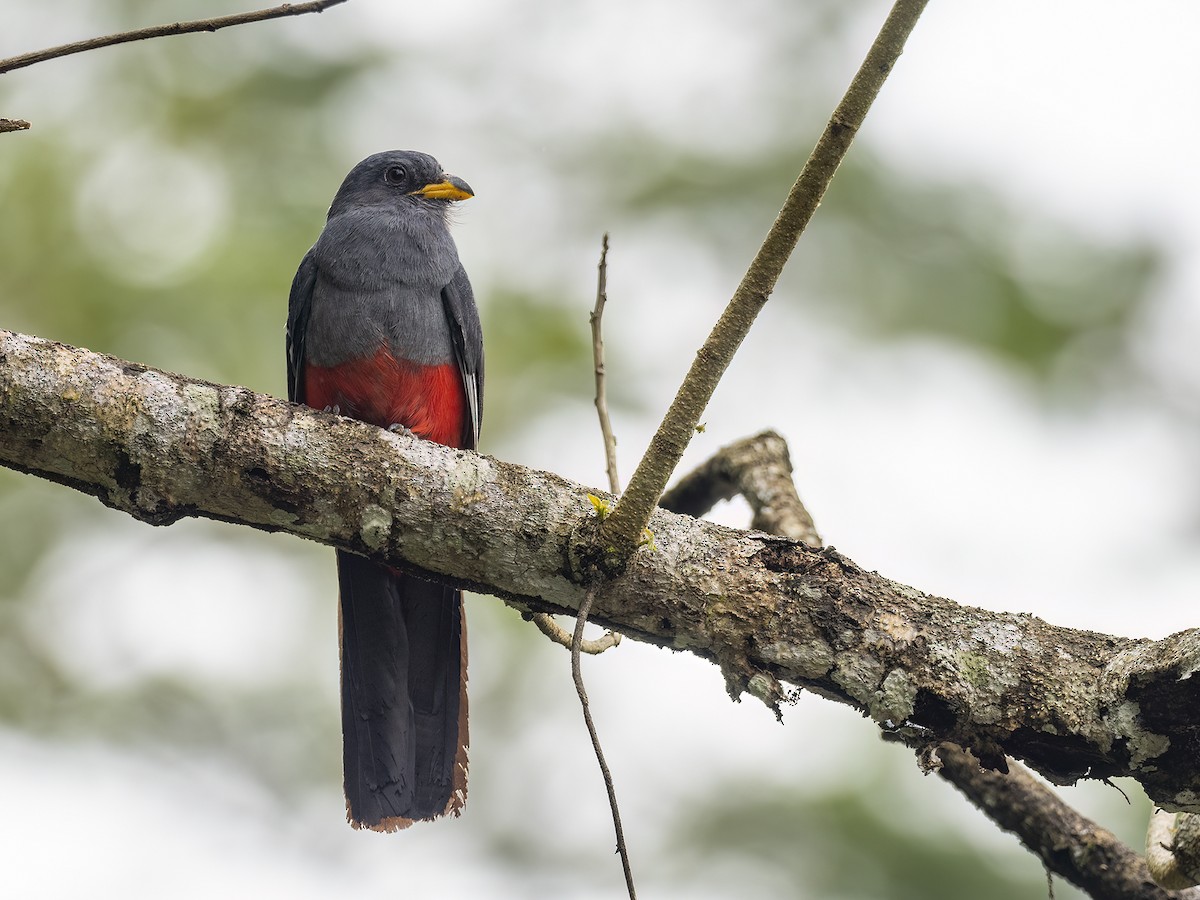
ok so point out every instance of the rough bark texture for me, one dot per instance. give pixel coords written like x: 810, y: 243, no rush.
x: 767, y: 610
x: 1068, y: 843
x: 1173, y: 850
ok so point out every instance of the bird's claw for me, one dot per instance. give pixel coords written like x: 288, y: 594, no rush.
x: 397, y: 428
x: 335, y: 409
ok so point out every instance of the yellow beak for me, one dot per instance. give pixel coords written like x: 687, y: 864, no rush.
x: 450, y: 189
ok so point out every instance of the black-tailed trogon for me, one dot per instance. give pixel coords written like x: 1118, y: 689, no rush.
x: 382, y: 327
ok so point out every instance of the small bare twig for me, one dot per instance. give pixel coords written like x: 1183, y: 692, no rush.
x: 576, y: 673
x: 760, y: 469
x: 13, y: 125
x: 551, y: 629
x: 623, y: 528
x: 611, y: 639
x: 141, y: 34
x: 610, y: 442
x: 544, y: 621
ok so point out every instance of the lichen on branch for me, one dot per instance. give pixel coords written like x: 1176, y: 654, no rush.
x: 161, y: 446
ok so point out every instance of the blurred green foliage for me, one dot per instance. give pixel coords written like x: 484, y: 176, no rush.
x: 896, y: 257
x: 853, y: 841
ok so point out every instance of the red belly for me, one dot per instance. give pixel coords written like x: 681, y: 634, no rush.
x: 383, y: 390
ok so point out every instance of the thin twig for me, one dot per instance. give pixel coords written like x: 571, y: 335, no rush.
x: 622, y: 529
x: 610, y: 442
x: 260, y: 15
x: 544, y: 621
x: 576, y: 673
x: 614, y: 484
x: 551, y: 629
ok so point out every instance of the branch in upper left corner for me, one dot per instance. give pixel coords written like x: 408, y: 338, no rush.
x: 154, y: 31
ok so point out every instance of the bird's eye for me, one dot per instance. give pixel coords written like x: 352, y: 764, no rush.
x: 395, y: 175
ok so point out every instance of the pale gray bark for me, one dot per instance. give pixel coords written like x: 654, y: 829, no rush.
x: 767, y: 610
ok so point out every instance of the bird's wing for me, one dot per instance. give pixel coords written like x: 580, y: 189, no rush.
x: 459, y: 302
x: 299, y: 307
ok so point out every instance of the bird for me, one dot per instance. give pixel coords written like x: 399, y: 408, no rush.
x: 382, y: 327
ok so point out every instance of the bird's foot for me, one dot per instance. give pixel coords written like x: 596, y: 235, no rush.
x: 397, y: 428
x: 335, y: 409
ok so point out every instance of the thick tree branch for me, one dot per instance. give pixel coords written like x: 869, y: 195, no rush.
x: 623, y: 528
x: 1069, y: 844
x: 159, y: 446
x: 156, y: 31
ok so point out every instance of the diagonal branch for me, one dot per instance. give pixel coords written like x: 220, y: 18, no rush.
x: 623, y: 528
x: 1068, y: 843
x: 158, y: 446
x: 141, y: 34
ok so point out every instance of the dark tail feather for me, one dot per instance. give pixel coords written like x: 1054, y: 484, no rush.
x: 404, y: 696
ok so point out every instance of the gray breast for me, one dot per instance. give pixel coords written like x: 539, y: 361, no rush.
x: 380, y: 276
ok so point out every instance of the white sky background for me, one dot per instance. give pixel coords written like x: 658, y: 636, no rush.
x: 925, y: 463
